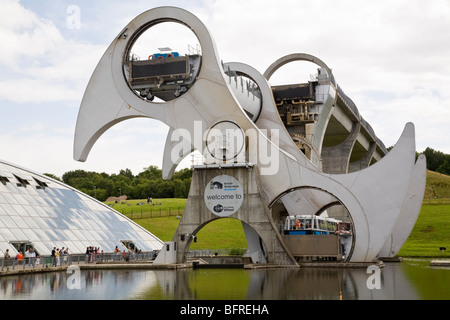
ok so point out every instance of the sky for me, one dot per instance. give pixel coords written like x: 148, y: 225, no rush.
x: 392, y: 58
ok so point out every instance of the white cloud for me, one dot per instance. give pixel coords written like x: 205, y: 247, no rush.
x: 389, y: 57
x: 39, y: 64
x: 133, y: 144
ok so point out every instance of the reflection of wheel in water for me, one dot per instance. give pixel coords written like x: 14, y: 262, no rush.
x: 348, y: 287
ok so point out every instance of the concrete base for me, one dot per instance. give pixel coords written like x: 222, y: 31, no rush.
x: 440, y: 263
x: 253, y: 212
x: 347, y: 265
x: 391, y: 259
x: 167, y: 254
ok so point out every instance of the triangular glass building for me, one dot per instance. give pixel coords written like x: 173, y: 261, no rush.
x: 40, y: 212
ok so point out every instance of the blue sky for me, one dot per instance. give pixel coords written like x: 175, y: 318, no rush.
x: 392, y: 58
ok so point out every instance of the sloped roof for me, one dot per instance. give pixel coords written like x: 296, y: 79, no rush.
x: 48, y: 213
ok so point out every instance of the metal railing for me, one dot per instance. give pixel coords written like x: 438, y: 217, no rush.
x: 123, y: 257
x: 33, y: 263
x: 144, y: 213
x: 217, y: 252
x: 45, y: 262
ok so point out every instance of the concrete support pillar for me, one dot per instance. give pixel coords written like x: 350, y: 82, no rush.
x: 336, y: 159
x: 253, y: 212
x: 364, y: 162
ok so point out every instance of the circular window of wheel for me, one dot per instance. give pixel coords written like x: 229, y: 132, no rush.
x: 319, y: 221
x: 225, y: 141
x: 162, y: 61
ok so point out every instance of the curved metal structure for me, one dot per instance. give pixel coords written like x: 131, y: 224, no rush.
x: 332, y: 110
x: 204, y: 114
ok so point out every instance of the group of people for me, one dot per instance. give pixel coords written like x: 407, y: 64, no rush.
x: 58, y: 255
x: 125, y: 253
x: 29, y: 258
x: 92, y: 253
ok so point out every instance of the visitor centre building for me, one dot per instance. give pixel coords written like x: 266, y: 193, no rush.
x: 39, y: 212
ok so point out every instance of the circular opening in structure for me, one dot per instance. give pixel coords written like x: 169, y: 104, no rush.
x: 315, y: 225
x: 162, y: 61
x: 223, y: 236
x: 246, y: 91
x: 295, y: 72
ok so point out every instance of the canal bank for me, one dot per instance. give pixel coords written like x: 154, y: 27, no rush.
x: 413, y: 279
x: 22, y: 270
x: 195, y: 264
x: 226, y: 262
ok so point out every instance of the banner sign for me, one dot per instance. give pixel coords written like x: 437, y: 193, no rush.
x: 224, y: 195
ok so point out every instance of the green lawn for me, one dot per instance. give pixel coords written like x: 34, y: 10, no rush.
x: 138, y: 209
x: 219, y: 234
x: 162, y: 227
x: 161, y: 219
x: 432, y: 229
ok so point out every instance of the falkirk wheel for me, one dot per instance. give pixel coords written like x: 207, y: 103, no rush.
x: 264, y: 158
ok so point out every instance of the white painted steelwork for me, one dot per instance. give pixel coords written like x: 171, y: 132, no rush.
x: 374, y: 196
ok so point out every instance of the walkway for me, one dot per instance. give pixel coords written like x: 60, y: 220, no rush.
x: 107, y: 261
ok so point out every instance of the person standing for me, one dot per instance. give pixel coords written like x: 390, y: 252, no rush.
x: 54, y: 256
x: 57, y: 257
x: 20, y: 257
x: 7, y: 256
x: 61, y: 255
x: 66, y: 255
x: 27, y: 257
x: 88, y: 254
x: 32, y: 257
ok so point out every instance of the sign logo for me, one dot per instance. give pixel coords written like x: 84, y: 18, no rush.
x: 223, y: 195
x: 215, y: 185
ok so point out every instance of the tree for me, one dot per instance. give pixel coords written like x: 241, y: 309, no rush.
x: 127, y: 173
x: 51, y: 175
x: 164, y: 189
x: 151, y: 172
x: 148, y: 183
x: 183, y: 174
x: 68, y: 176
x: 444, y: 167
x: 181, y: 188
x: 434, y: 158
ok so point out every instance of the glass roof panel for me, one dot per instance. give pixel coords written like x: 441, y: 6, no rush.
x: 56, y: 215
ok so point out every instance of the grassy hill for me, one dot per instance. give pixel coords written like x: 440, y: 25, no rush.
x: 139, y: 209
x: 437, y: 189
x: 432, y: 229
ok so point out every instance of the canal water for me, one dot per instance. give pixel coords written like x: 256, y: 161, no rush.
x: 412, y: 279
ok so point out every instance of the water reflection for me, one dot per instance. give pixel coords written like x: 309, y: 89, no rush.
x: 102, y: 284
x: 397, y: 281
